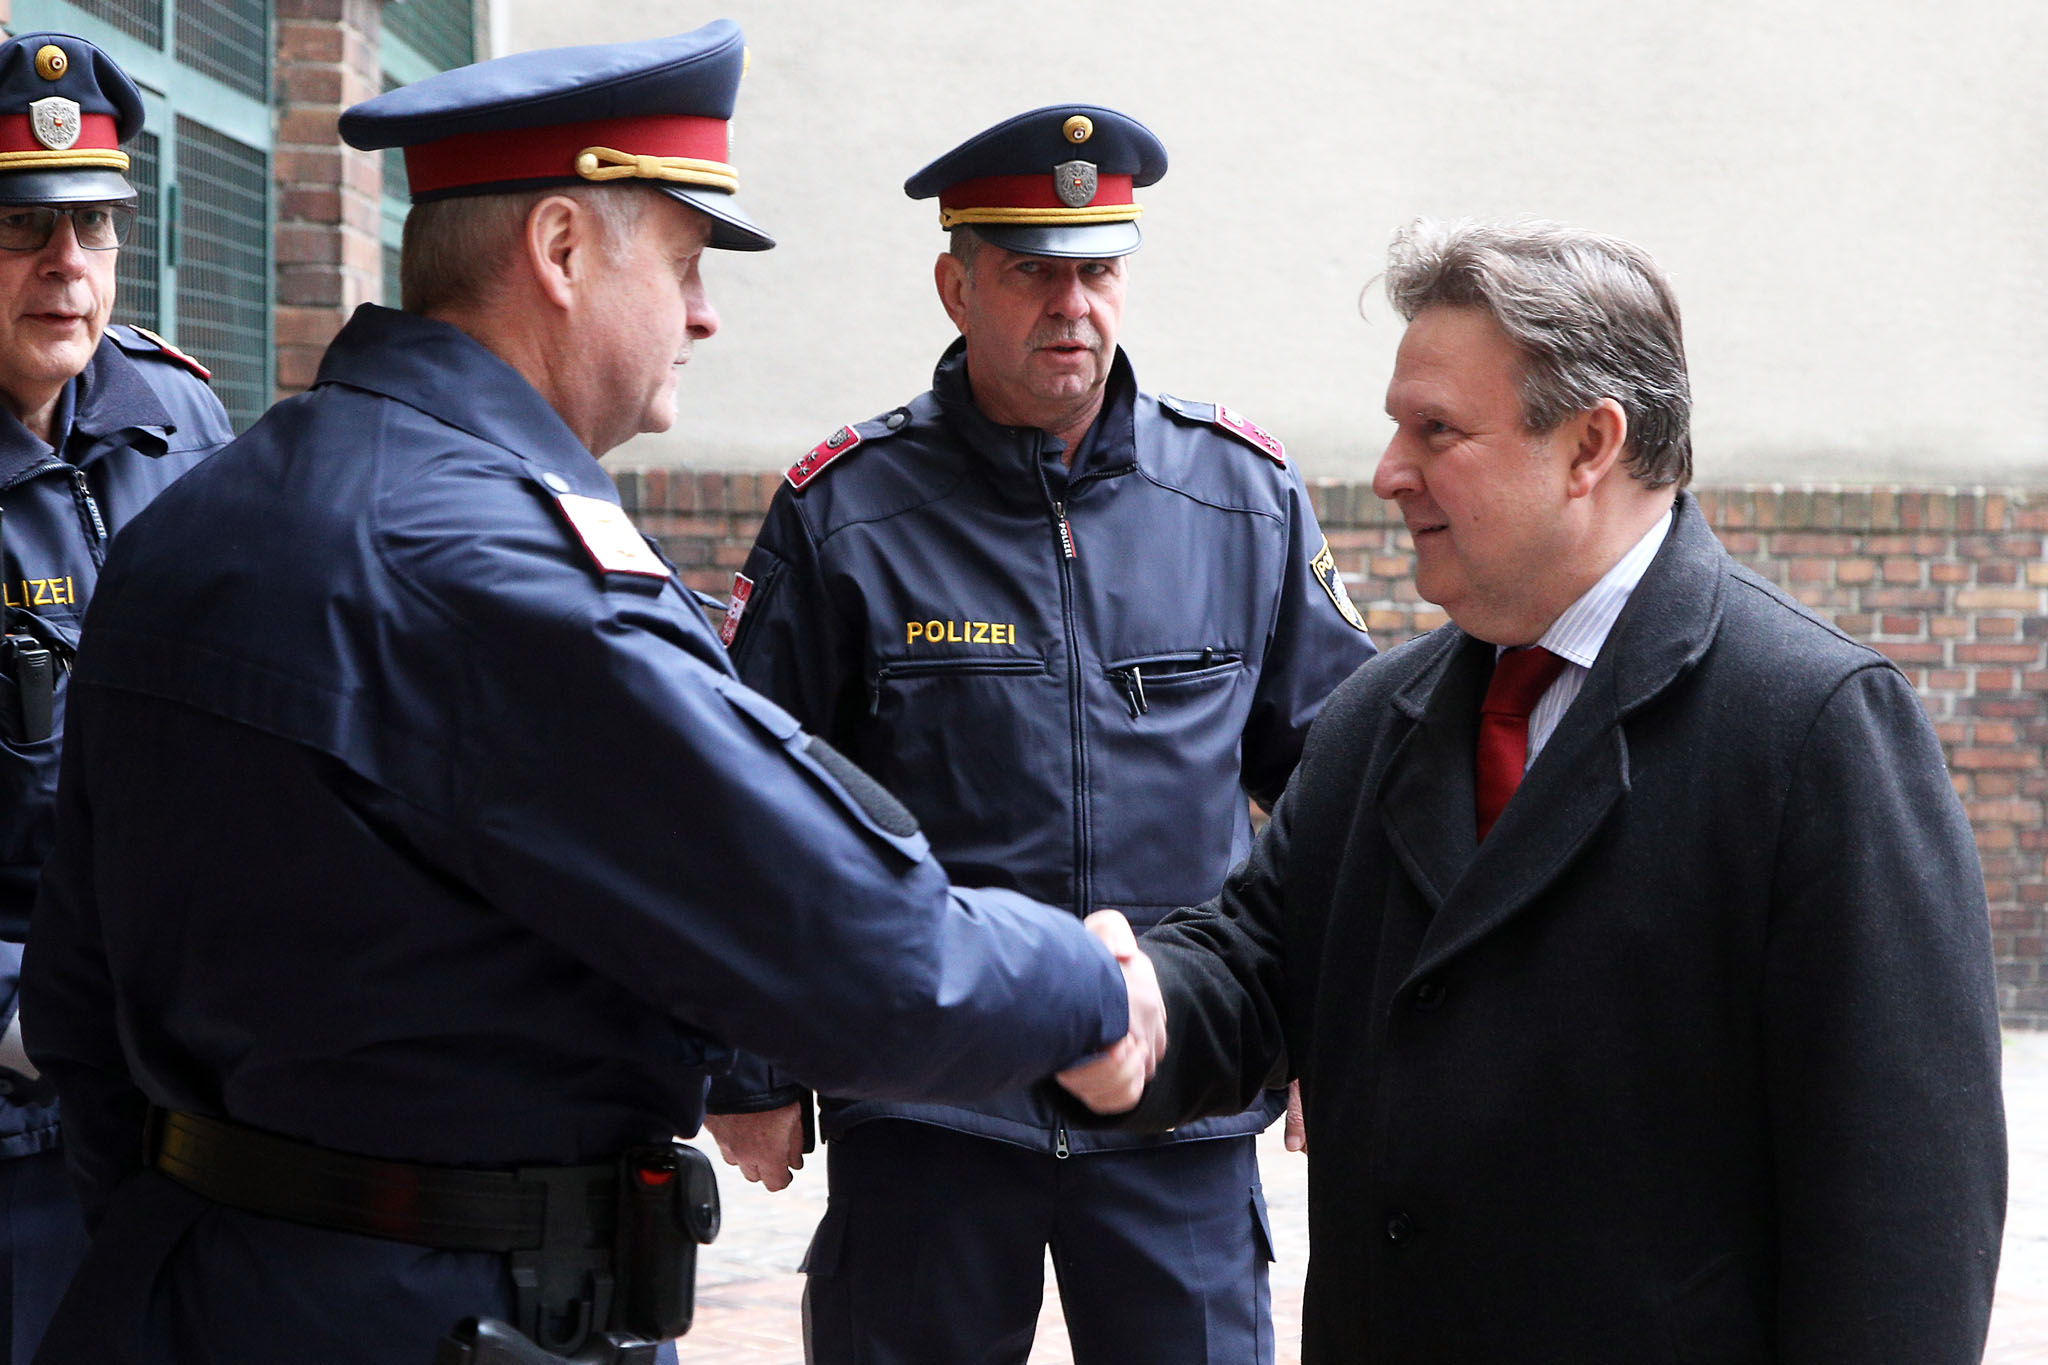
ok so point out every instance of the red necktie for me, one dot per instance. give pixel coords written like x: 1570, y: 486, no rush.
x: 1520, y: 678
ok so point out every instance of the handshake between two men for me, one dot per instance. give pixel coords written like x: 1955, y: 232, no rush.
x: 1112, y: 1081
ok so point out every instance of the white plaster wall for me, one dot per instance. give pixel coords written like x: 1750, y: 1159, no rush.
x: 1848, y: 194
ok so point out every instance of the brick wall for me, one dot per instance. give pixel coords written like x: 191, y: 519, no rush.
x: 1951, y: 583
x: 329, y: 252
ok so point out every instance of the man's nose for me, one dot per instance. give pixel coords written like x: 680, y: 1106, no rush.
x: 62, y: 255
x: 1395, y: 472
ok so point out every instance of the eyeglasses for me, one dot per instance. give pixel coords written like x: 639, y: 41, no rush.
x: 98, y: 227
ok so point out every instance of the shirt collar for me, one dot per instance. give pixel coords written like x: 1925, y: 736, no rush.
x: 1110, y: 444
x: 1577, y: 635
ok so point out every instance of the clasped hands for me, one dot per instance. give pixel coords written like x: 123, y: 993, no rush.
x: 1110, y: 1082
x: 768, y: 1147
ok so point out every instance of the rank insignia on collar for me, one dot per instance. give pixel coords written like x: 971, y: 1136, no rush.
x: 174, y: 353
x: 1324, y: 566
x: 609, y: 535
x: 822, y: 454
x: 54, y: 121
x: 1243, y: 427
x: 742, y: 590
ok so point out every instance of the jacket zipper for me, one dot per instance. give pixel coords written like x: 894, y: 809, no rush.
x: 1059, y: 1141
x: 95, y: 523
x: 1066, y: 529
x: 1063, y: 533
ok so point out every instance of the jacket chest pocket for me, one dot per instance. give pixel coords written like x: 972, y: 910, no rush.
x: 1168, y: 679
x: 897, y: 674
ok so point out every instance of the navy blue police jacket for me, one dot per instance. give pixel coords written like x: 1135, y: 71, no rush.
x: 1072, y: 676
x: 138, y: 416
x: 411, y: 808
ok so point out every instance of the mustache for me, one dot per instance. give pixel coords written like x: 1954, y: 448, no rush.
x: 1065, y: 334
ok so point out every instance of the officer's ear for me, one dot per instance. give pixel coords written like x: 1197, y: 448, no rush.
x: 949, y: 273
x: 561, y: 241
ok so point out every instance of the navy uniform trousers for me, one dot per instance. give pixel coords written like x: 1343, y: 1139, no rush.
x: 933, y: 1246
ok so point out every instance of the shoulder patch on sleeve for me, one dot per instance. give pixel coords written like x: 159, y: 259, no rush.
x: 1324, y: 566
x: 150, y: 343
x: 822, y: 455
x: 1232, y: 421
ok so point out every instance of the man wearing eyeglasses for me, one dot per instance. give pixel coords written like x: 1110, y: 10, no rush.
x: 95, y: 420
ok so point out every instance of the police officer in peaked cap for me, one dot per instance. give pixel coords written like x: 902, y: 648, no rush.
x: 1072, y: 624
x: 95, y: 421
x: 387, y: 1020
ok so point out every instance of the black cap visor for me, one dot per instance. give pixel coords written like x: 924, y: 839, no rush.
x: 1091, y: 241
x: 71, y: 185
x: 731, y: 229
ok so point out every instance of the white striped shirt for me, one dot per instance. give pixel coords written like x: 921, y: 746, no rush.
x: 1577, y: 635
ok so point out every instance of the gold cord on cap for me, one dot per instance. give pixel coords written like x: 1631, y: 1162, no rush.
x: 66, y: 160
x: 1078, y: 129
x: 604, y: 163
x: 1016, y: 217
x: 51, y: 62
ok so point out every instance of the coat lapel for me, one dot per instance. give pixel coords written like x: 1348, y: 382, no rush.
x: 1582, y: 775
x: 1426, y: 801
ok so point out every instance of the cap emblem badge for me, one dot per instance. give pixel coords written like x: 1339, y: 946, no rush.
x: 51, y: 63
x: 1074, y: 182
x: 55, y: 122
x: 1078, y: 129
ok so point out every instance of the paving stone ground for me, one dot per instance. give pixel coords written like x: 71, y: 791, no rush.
x: 749, y: 1294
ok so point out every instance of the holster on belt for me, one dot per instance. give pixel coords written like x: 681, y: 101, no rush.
x: 599, y: 1254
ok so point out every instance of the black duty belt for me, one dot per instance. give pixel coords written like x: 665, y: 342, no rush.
x: 449, y: 1207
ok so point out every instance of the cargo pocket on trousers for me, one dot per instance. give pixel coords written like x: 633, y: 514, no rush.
x: 822, y: 1258
x: 1262, y: 1225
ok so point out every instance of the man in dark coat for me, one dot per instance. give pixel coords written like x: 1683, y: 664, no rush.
x: 1694, y: 1055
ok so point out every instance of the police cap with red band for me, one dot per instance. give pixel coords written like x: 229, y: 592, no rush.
x: 655, y: 112
x: 65, y: 110
x: 1054, y: 182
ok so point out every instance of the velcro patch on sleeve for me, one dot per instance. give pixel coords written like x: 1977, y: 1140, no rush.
x: 609, y: 535
x: 1252, y: 434
x: 821, y: 455
x: 742, y: 589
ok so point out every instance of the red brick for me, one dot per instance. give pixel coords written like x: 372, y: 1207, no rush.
x: 1993, y: 758
x: 1998, y: 654
x: 1811, y: 543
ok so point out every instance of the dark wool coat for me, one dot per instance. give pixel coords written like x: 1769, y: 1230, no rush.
x: 1696, y: 1059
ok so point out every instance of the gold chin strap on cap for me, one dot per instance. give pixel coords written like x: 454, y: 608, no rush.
x: 1081, y: 217
x: 605, y: 163
x: 68, y: 160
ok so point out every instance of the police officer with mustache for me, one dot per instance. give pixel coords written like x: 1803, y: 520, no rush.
x: 1072, y: 624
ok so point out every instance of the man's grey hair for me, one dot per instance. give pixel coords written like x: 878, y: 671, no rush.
x: 1592, y: 315
x: 455, y: 250
x: 965, y: 244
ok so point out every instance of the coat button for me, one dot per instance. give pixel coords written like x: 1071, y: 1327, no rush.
x: 1429, y: 993
x: 1400, y: 1227
x: 896, y: 419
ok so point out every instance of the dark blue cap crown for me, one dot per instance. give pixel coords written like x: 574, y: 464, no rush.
x: 654, y: 112
x: 1055, y: 181
x: 65, y: 110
